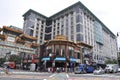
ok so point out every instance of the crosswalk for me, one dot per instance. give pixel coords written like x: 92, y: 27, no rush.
x: 83, y: 77
x: 56, y: 76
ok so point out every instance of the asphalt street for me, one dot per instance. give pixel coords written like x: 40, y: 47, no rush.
x: 26, y: 75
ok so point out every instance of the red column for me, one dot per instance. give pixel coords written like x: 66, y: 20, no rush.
x: 33, y: 60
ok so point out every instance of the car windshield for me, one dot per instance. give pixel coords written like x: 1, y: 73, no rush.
x: 77, y: 68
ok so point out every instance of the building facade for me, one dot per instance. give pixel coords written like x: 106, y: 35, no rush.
x: 61, y: 53
x: 78, y: 24
x: 14, y: 42
x: 119, y: 58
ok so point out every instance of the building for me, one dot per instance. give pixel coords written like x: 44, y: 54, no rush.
x: 60, y: 52
x: 14, y: 42
x: 118, y: 57
x: 78, y: 24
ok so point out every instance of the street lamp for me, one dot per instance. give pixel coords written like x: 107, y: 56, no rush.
x: 52, y: 57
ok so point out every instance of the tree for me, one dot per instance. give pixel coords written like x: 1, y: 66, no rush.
x: 111, y: 61
x: 2, y: 60
x: 15, y: 58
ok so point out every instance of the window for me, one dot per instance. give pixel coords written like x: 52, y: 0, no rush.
x: 62, y: 31
x: 78, y: 10
x: 72, y: 37
x: 79, y: 28
x: 42, y: 22
x: 48, y: 50
x: 70, y: 51
x: 79, y: 19
x: 62, y: 51
x: 72, y: 30
x: 79, y: 37
x: 57, y: 50
x: 78, y: 55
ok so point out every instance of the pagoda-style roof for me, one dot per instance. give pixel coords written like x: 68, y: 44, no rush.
x: 12, y: 29
x: 1, y: 29
x: 28, y: 37
x: 60, y: 39
x: 34, y: 45
x: 2, y: 36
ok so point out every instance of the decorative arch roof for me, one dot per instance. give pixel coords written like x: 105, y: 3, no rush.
x: 28, y: 37
x: 12, y: 29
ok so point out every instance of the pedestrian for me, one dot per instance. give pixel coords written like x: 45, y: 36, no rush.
x: 48, y: 69
x: 5, y: 70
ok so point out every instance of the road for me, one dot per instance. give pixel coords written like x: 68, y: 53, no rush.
x: 25, y: 75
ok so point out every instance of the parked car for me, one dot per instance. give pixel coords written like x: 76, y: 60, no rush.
x: 118, y: 69
x: 99, y: 71
x: 84, y: 68
x: 77, y: 70
x: 111, y: 68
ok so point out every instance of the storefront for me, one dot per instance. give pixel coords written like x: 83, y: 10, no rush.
x: 61, y: 53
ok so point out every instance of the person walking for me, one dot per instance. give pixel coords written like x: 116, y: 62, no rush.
x: 5, y: 70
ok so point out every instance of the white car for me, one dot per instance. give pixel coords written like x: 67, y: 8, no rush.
x: 99, y: 71
x: 118, y: 69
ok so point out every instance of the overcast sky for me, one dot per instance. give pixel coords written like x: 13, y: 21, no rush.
x: 11, y: 11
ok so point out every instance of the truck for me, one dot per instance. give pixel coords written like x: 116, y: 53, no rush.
x: 84, y: 68
x: 111, y: 68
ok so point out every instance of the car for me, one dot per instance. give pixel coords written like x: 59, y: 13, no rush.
x: 77, y: 70
x: 111, y: 68
x: 118, y: 69
x: 99, y: 71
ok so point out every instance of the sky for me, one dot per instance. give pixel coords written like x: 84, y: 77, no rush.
x: 107, y: 11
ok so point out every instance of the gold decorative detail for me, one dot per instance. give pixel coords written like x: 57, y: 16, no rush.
x: 60, y: 37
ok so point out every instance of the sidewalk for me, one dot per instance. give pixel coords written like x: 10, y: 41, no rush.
x: 22, y: 72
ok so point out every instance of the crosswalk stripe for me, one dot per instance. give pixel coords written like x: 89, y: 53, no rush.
x: 52, y: 75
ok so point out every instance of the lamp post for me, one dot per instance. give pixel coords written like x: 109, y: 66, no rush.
x: 67, y: 63
x: 52, y: 57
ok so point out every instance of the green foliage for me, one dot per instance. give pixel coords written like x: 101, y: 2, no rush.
x: 111, y: 61
x: 2, y: 60
x: 15, y: 58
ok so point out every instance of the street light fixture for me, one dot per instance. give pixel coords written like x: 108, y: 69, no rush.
x: 52, y: 57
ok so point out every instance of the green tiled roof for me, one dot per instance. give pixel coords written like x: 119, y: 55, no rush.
x: 30, y: 10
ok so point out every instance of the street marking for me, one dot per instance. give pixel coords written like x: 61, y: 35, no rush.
x: 52, y: 75
x: 67, y: 75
